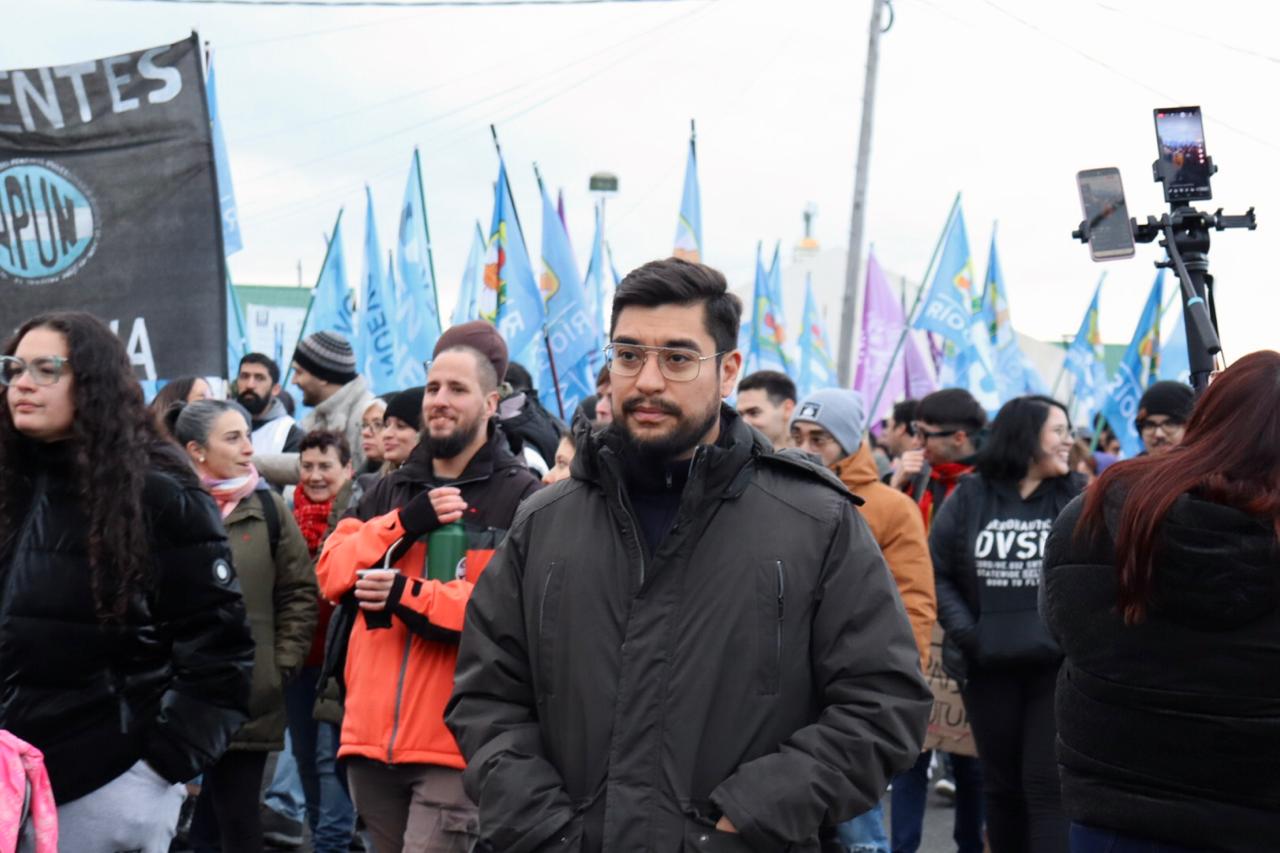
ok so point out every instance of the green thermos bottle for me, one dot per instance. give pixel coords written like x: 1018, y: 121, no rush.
x: 447, y: 553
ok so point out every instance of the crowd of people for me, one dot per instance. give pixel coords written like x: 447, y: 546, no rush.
x: 673, y: 624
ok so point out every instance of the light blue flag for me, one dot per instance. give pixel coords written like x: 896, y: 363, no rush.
x: 768, y: 335
x: 1175, y: 361
x: 594, y: 287
x: 948, y: 307
x: 1015, y: 374
x: 953, y: 310
x: 571, y: 331
x: 231, y: 241
x: 237, y: 340
x: 510, y: 298
x: 417, y: 316
x: 376, y: 337
x: 1085, y: 361
x: 1140, y: 360
x: 689, y: 226
x: 467, y: 307
x: 817, y: 370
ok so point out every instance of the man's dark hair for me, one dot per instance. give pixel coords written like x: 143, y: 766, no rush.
x: 266, y: 361
x: 1014, y: 441
x: 777, y: 386
x: 323, y: 439
x: 952, y: 407
x: 518, y: 377
x: 677, y: 282
x: 486, y: 373
x: 905, y: 412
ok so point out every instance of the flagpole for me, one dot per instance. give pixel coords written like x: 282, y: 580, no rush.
x: 328, y: 247
x: 546, y: 336
x: 906, y: 328
x: 426, y: 229
x: 1097, y: 291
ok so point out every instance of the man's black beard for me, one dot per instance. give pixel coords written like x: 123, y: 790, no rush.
x: 686, y: 435
x: 250, y: 400
x: 449, y: 446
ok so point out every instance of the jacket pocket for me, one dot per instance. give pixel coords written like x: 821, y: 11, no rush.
x: 548, y: 625
x: 701, y: 838
x: 771, y: 592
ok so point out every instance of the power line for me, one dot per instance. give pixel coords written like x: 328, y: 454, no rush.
x: 1134, y: 80
x: 444, y: 84
x: 417, y: 125
x: 395, y: 4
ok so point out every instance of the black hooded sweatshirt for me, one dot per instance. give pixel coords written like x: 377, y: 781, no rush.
x: 1170, y: 729
x: 987, y: 544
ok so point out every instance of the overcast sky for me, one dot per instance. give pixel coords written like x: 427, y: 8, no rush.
x: 1003, y: 100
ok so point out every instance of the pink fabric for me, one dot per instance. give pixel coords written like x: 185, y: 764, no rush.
x: 22, y: 764
x: 229, y: 493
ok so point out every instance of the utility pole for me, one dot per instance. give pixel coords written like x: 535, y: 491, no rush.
x: 849, y: 303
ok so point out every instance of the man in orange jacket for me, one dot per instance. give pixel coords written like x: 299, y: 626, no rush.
x: 829, y: 424
x: 404, y: 767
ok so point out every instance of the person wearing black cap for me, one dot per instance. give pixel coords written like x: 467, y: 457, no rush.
x: 1162, y: 416
x: 401, y: 426
x: 324, y: 369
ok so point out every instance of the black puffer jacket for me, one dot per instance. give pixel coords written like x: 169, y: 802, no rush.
x: 169, y: 685
x: 1170, y: 729
x: 759, y: 665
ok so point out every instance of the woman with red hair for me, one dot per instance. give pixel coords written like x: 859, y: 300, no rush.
x: 1162, y: 587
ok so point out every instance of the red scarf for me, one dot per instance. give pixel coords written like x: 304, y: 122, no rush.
x: 312, y: 518
x: 942, y: 482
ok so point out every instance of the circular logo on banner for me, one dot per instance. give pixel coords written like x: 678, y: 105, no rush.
x: 48, y: 222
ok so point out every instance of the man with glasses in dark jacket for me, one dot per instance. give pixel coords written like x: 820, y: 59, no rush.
x: 693, y: 642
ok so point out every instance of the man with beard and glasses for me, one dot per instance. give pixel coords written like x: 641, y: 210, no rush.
x: 693, y: 643
x: 257, y: 388
x: 403, y: 765
x: 324, y: 369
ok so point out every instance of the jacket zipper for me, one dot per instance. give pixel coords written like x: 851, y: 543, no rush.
x: 395, y: 719
x: 634, y: 528
x: 782, y: 589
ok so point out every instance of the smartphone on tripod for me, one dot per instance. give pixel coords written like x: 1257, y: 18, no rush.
x: 1105, y: 214
x: 1183, y: 165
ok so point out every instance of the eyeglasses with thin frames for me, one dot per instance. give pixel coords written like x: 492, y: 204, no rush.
x: 45, y: 370
x: 918, y: 430
x: 675, y: 363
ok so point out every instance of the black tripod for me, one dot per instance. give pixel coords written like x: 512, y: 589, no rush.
x: 1185, y: 233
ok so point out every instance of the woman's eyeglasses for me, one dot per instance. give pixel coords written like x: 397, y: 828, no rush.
x: 45, y: 370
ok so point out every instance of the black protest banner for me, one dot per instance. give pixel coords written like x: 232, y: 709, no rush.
x: 109, y: 204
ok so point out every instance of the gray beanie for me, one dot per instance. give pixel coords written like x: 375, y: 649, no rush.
x: 837, y: 410
x: 328, y: 356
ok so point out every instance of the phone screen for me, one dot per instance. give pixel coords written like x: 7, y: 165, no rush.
x: 1184, y: 165
x: 1102, y: 201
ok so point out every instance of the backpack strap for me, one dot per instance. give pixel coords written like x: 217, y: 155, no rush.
x: 271, y: 514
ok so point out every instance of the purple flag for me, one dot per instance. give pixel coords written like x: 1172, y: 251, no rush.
x: 882, y: 325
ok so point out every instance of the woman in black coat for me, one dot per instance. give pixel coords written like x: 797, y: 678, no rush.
x: 1162, y: 587
x: 124, y: 650
x: 987, y: 544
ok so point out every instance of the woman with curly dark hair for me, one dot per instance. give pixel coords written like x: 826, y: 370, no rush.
x: 124, y: 649
x: 1162, y: 586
